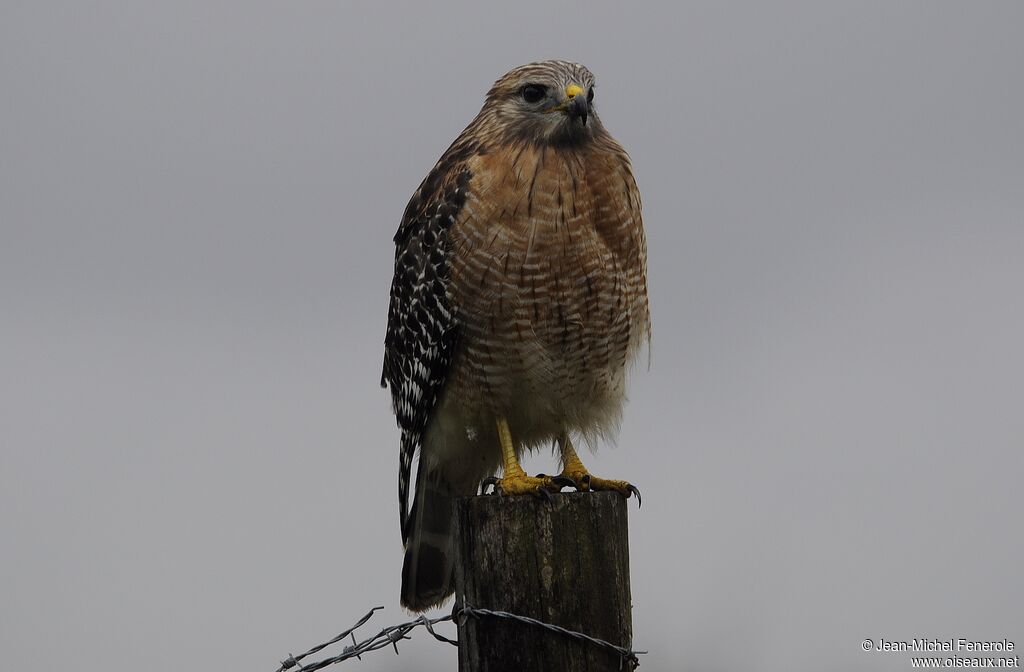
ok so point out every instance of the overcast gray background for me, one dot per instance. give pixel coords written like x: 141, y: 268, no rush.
x: 197, y: 202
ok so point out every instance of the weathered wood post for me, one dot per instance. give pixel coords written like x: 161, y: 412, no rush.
x: 564, y: 562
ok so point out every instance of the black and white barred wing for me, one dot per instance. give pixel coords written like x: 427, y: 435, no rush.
x: 422, y: 327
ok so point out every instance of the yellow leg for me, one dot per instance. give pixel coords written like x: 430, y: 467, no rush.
x: 510, y: 462
x: 572, y: 467
x: 514, y: 480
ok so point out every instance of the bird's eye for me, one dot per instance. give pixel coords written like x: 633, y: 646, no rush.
x: 590, y: 95
x: 533, y: 93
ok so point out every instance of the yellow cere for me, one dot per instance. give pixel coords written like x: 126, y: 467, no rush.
x: 573, y: 90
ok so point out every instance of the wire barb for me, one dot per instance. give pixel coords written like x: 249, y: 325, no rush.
x: 391, y: 635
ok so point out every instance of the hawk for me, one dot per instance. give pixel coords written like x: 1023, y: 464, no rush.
x: 519, y: 298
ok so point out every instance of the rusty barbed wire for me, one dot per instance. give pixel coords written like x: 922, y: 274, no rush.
x: 391, y: 635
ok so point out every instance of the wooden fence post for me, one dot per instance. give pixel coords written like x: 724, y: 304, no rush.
x: 564, y: 562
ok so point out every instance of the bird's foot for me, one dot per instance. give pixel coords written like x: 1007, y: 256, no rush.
x: 540, y: 485
x: 586, y: 482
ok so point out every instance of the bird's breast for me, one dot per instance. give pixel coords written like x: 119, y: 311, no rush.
x: 547, y: 275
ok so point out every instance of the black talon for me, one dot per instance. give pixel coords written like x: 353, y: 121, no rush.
x: 545, y: 495
x: 636, y: 491
x: 585, y: 482
x: 492, y: 481
x: 564, y: 482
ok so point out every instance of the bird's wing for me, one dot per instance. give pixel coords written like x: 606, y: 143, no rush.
x: 422, y: 323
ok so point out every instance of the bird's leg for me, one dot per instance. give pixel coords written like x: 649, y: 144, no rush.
x: 572, y: 467
x: 514, y: 480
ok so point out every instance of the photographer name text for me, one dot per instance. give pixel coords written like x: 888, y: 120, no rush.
x: 935, y: 644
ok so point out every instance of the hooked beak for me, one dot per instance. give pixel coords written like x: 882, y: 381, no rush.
x: 577, y: 108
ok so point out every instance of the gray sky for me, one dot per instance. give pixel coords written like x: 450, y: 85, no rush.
x: 197, y: 468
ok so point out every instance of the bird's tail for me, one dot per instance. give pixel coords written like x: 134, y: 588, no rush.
x: 428, y: 573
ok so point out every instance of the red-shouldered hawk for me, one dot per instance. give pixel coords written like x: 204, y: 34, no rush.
x: 519, y: 299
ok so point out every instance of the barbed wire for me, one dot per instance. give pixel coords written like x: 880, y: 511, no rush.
x: 626, y: 656
x: 391, y: 635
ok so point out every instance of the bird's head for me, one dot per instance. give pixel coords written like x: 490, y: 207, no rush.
x: 546, y: 102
